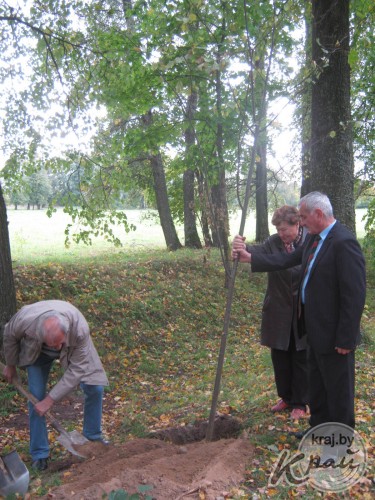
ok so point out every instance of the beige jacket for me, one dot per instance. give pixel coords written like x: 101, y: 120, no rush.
x: 23, y: 343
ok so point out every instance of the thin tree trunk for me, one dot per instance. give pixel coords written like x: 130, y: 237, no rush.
x: 162, y: 203
x: 157, y: 166
x: 220, y: 228
x: 219, y: 195
x: 260, y: 112
x: 262, y: 230
x: 161, y: 195
x: 205, y: 210
x: 190, y: 227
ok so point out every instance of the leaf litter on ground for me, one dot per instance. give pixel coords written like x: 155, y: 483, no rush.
x: 157, y: 326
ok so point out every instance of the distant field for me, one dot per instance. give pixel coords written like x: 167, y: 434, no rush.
x: 36, y: 238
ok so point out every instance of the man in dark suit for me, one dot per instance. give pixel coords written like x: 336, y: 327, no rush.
x: 332, y: 297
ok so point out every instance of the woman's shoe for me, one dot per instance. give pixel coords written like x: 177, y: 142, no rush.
x: 279, y: 406
x: 298, y: 413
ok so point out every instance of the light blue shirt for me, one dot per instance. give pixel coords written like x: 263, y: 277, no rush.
x: 323, y: 235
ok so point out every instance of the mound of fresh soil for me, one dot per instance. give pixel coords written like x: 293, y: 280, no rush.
x: 176, y: 462
x: 210, y: 469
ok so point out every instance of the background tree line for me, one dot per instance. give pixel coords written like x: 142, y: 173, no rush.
x: 175, y: 101
x: 42, y: 189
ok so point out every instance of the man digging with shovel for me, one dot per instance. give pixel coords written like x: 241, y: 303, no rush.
x: 37, y: 335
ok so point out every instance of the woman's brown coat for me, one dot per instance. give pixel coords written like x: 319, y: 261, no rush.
x: 279, y: 313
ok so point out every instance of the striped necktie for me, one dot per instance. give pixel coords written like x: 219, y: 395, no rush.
x: 312, y: 251
x: 309, y: 259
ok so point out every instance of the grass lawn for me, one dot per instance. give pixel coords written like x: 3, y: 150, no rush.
x: 36, y: 238
x: 157, y: 319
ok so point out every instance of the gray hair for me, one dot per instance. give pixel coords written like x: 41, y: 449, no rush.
x: 62, y: 322
x: 314, y: 200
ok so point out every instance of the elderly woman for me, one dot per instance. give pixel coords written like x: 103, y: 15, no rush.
x: 279, y: 316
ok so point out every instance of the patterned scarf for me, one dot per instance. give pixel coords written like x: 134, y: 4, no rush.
x: 290, y: 247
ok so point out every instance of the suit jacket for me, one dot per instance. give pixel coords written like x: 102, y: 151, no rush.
x: 23, y: 344
x: 336, y: 290
x: 279, y: 311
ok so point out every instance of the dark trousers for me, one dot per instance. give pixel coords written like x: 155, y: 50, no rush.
x: 331, y: 387
x: 291, y: 378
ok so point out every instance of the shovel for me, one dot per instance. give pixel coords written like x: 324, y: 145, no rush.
x: 67, y: 439
x: 14, y: 476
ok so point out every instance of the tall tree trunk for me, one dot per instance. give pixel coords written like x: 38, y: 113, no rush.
x: 261, y: 202
x: 161, y: 195
x: 305, y: 109
x: 220, y: 231
x: 220, y: 228
x: 7, y: 290
x: 205, y: 210
x: 190, y: 227
x: 332, y: 162
x: 162, y: 203
x: 157, y: 166
x: 260, y: 112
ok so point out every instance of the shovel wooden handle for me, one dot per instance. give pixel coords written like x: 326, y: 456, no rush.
x: 53, y: 421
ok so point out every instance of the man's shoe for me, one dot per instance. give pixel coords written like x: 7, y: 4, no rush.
x: 297, y: 413
x: 106, y: 442
x: 40, y: 464
x: 101, y: 440
x: 279, y: 406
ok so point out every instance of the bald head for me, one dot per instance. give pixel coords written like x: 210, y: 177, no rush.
x: 53, y: 331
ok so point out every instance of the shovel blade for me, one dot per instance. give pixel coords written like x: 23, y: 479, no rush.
x: 77, y: 438
x: 14, y: 475
x: 71, y: 439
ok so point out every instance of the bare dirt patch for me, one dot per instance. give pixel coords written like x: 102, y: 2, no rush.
x: 176, y: 462
x: 173, y: 471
